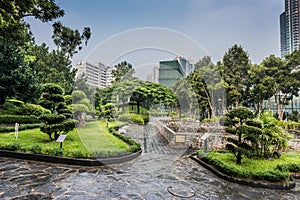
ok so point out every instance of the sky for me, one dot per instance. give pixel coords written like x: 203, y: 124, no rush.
x: 144, y: 31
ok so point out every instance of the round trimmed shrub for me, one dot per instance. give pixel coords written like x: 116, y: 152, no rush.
x: 33, y: 109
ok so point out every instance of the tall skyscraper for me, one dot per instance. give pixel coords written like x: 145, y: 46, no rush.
x: 289, y: 27
x: 98, y: 75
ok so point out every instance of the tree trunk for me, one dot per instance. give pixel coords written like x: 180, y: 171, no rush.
x: 236, y: 103
x: 138, y: 107
x: 239, y: 158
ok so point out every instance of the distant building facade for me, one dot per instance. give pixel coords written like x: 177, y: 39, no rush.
x: 289, y: 27
x: 98, y: 75
x: 170, y: 72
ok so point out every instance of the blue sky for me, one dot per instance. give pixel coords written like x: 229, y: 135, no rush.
x: 214, y: 24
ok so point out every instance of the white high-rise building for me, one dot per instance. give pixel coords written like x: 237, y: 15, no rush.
x: 98, y: 75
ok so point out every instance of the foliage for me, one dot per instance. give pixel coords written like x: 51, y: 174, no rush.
x: 132, y: 118
x: 15, y: 75
x: 59, y: 121
x: 16, y: 102
x: 69, y: 41
x: 207, y: 83
x: 123, y: 71
x: 81, y: 105
x: 52, y: 67
x: 235, y: 125
x: 52, y: 96
x: 234, y: 71
x: 261, y: 170
x: 134, y: 146
x: 33, y: 109
x: 21, y: 119
x: 109, y: 111
x: 6, y: 129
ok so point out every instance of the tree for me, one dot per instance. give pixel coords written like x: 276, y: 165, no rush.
x: 59, y: 122
x: 52, y: 67
x: 108, y: 111
x: 211, y: 77
x: 123, y: 71
x: 186, y: 96
x: 81, y: 105
x: 261, y: 85
x: 15, y: 75
x: 234, y: 71
x: 286, y: 83
x: 235, y: 125
x: 16, y: 43
x: 69, y: 41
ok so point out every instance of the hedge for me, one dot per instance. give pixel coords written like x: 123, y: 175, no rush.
x: 134, y: 146
x: 6, y: 129
x: 12, y: 119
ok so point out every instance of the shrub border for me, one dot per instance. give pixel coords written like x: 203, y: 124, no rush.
x: 70, y: 161
x: 278, y: 186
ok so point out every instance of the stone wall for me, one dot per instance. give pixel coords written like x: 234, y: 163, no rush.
x: 189, y: 135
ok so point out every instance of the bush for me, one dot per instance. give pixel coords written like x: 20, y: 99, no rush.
x: 54, y: 152
x: 291, y: 167
x: 133, y: 118
x: 15, y: 102
x: 13, y: 146
x: 33, y: 109
x: 52, y: 118
x: 36, y: 149
x: 6, y: 129
x: 9, y: 109
x: 78, y: 154
x: 12, y: 119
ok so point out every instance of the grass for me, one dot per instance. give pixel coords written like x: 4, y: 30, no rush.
x: 256, y: 165
x: 82, y: 142
x: 256, y: 169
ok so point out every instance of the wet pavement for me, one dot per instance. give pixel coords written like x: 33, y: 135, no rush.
x: 147, y: 177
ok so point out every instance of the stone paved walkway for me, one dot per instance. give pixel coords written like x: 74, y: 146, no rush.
x: 147, y: 177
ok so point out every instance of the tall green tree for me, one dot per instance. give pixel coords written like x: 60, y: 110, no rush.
x: 234, y: 71
x: 211, y: 77
x: 261, y: 85
x: 52, y: 67
x: 123, y: 71
x: 16, y: 77
x: 69, y: 41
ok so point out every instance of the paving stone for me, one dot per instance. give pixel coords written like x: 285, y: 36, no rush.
x: 146, y: 177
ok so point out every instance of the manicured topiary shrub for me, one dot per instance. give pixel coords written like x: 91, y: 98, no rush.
x: 6, y: 129
x: 12, y: 119
x: 33, y: 109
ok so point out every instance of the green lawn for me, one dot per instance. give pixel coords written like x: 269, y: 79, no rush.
x: 258, y: 165
x: 81, y: 142
x: 257, y: 169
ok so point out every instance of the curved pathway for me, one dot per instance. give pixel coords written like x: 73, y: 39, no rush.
x: 147, y: 177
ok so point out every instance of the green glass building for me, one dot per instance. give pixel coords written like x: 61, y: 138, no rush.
x: 170, y: 72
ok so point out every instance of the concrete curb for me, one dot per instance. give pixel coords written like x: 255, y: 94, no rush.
x: 69, y: 161
x: 278, y: 186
